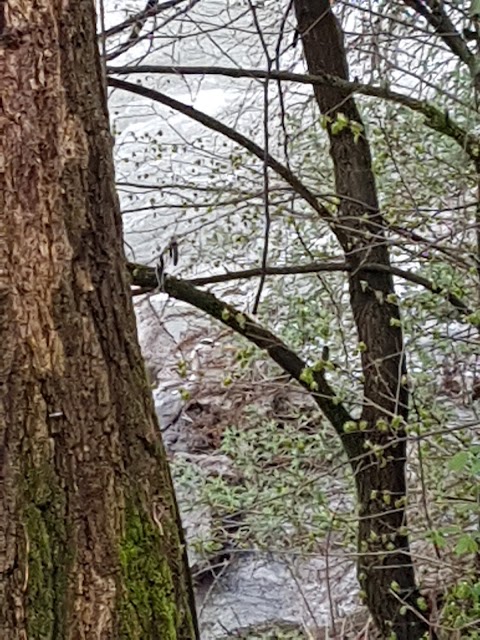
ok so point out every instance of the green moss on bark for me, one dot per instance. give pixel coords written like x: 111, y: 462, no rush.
x: 148, y: 609
x: 40, y: 583
x: 47, y: 560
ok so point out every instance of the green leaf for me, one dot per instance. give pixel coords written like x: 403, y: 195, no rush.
x: 466, y: 544
x: 241, y: 320
x: 474, y: 318
x: 459, y: 461
x: 340, y: 124
x: 476, y: 468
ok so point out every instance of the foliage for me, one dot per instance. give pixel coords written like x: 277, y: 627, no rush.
x: 462, y: 609
x: 281, y: 499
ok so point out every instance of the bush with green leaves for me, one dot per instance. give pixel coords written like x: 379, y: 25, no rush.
x: 290, y: 488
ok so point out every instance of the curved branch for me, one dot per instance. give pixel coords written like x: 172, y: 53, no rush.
x: 436, y: 119
x: 246, y: 143
x: 242, y: 324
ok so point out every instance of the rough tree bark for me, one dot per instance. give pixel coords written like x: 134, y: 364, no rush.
x: 90, y: 539
x: 385, y: 568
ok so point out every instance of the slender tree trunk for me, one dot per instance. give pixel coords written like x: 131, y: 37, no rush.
x: 90, y: 539
x: 385, y: 567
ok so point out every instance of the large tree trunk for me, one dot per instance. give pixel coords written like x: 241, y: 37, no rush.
x: 385, y: 567
x: 90, y: 539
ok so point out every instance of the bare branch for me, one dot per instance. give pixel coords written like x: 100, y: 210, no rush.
x: 141, y: 19
x: 141, y: 16
x: 232, y: 134
x: 436, y: 119
x: 144, y: 276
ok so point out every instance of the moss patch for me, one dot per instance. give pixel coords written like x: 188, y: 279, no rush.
x: 48, y: 561
x: 40, y: 580
x: 148, y: 609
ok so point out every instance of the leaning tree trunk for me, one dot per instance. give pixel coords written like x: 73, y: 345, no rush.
x: 90, y: 539
x: 385, y: 567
